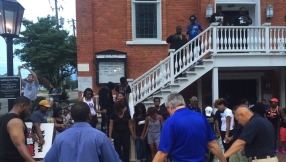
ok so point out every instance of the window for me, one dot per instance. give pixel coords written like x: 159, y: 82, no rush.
x: 146, y: 19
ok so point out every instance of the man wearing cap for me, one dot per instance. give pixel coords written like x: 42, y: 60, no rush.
x: 210, y: 117
x: 40, y: 116
x: 194, y: 105
x: 273, y: 115
x: 257, y: 137
x: 193, y: 31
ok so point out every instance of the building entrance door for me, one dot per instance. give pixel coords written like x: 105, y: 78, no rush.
x: 235, y: 90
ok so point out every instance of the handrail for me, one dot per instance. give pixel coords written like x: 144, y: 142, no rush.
x: 265, y: 39
x: 184, y: 46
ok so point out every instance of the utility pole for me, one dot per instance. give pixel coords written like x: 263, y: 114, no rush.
x: 56, y: 8
x: 73, y: 25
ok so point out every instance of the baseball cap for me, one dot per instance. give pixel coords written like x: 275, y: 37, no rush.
x: 208, y: 111
x: 44, y: 103
x: 193, y: 17
x: 274, y: 100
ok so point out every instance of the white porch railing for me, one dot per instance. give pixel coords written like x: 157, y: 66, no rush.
x: 232, y: 39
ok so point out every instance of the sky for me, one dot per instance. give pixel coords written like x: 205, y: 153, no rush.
x: 33, y: 10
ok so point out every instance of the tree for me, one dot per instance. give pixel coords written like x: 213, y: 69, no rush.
x: 48, y: 49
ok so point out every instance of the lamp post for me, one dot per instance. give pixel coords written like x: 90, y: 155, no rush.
x: 11, y: 14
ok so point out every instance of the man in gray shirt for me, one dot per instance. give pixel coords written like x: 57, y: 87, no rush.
x: 31, y: 85
x: 38, y: 117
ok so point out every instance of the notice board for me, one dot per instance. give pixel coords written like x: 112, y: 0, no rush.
x: 10, y: 87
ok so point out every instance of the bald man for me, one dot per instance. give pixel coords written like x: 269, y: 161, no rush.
x: 257, y: 137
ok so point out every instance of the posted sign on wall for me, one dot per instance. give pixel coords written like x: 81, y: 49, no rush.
x: 110, y: 66
x: 110, y: 71
x: 10, y: 87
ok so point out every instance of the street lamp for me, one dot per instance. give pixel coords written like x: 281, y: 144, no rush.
x: 11, y: 14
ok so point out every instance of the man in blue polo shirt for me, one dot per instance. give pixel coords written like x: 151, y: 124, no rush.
x: 186, y: 135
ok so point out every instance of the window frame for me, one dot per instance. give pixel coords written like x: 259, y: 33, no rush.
x: 159, y: 24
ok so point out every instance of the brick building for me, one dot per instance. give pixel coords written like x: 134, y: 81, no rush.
x: 139, y: 28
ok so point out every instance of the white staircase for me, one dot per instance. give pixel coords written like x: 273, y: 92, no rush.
x: 165, y: 77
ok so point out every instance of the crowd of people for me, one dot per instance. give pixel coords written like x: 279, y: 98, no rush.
x: 164, y: 132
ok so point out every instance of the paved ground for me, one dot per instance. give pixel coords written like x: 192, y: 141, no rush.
x: 4, y: 102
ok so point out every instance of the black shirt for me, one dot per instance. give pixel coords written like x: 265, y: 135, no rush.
x: 219, y: 18
x: 259, y: 136
x: 8, y: 151
x: 124, y: 90
x: 139, y: 128
x: 176, y: 41
x: 237, y: 129
x: 105, y: 99
x: 120, y: 124
x: 162, y: 110
x: 197, y: 109
x: 239, y: 20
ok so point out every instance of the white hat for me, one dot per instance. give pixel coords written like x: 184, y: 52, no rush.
x: 208, y: 111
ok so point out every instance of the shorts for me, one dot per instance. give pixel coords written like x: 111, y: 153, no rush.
x: 153, y: 137
x: 282, y: 134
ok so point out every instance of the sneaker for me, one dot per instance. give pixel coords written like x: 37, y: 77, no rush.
x: 283, y: 151
x: 277, y: 150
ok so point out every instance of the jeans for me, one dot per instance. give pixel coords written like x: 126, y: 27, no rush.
x: 226, y: 146
x: 141, y: 147
x: 122, y: 139
x: 105, y: 123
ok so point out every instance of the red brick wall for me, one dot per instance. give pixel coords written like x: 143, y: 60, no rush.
x: 106, y: 24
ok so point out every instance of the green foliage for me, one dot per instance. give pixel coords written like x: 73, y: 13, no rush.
x: 71, y: 83
x: 73, y: 100
x: 49, y: 49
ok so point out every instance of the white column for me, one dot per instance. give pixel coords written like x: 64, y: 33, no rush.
x: 200, y: 100
x: 259, y: 98
x: 171, y: 63
x: 215, y: 92
x: 282, y: 88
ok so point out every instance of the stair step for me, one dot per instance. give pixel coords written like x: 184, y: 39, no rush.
x: 200, y: 66
x: 193, y: 72
x: 208, y: 60
x: 166, y: 90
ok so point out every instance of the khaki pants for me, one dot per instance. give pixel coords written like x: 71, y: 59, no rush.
x: 268, y: 159
x: 237, y: 157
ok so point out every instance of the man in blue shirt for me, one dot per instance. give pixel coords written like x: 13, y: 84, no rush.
x: 186, y: 135
x: 193, y: 31
x: 81, y: 142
